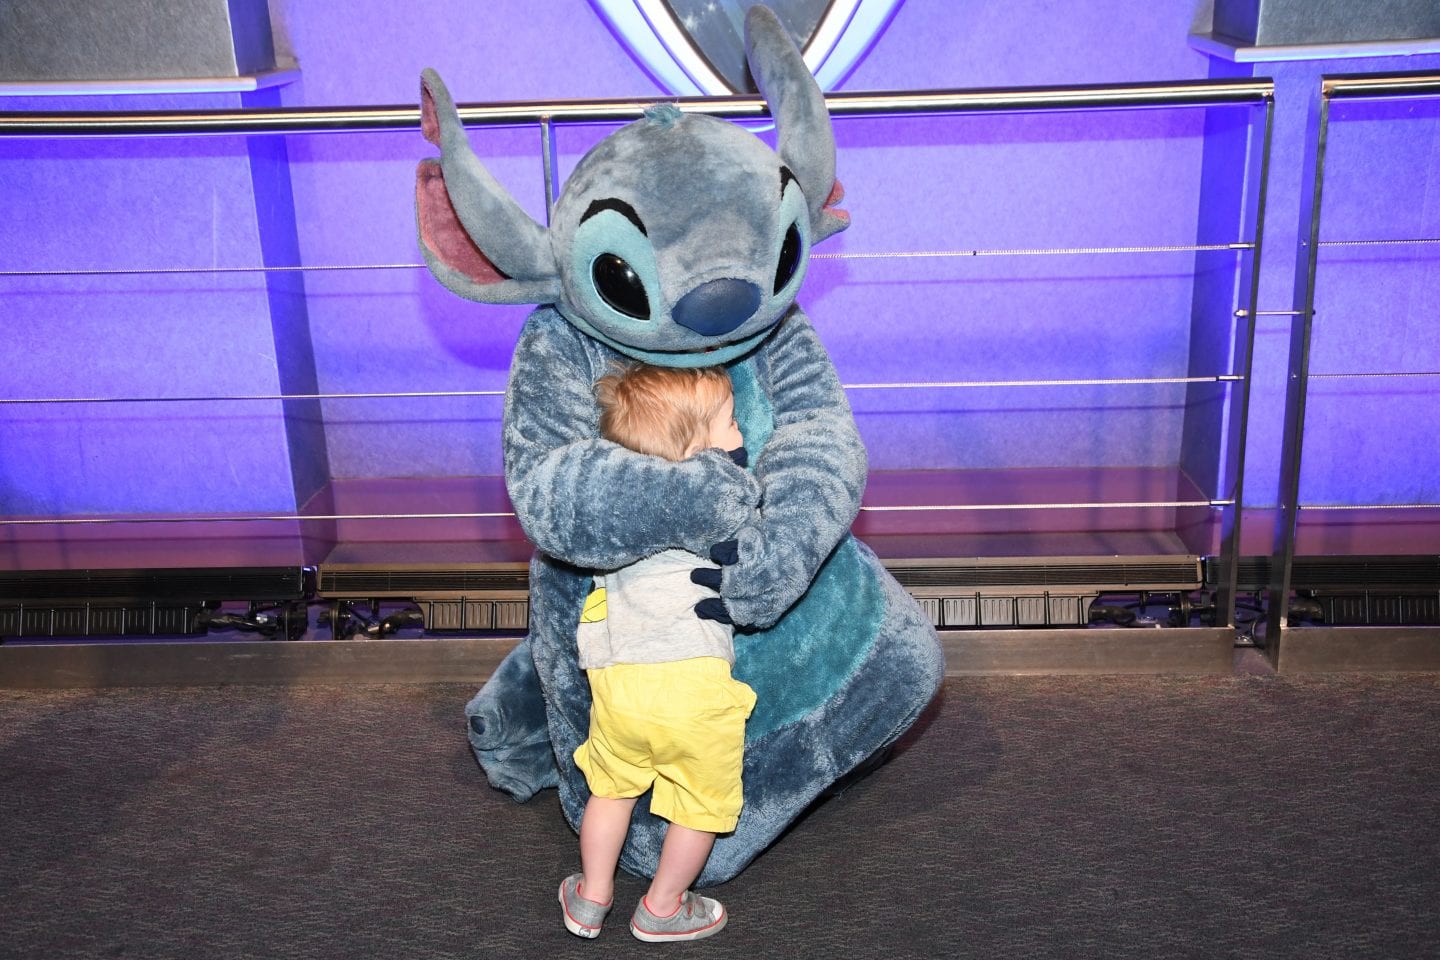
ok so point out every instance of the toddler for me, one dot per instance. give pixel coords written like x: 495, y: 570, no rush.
x: 665, y: 712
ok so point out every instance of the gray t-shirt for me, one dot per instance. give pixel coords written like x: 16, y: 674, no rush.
x: 649, y: 615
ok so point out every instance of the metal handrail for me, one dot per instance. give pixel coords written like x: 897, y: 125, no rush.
x: 1379, y: 86
x: 149, y: 123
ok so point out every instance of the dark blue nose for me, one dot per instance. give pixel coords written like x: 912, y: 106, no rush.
x: 717, y: 306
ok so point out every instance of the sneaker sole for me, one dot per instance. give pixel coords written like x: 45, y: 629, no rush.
x: 573, y: 925
x: 700, y: 934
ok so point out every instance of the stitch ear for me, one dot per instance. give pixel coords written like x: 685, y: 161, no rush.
x: 806, y: 141
x: 476, y: 239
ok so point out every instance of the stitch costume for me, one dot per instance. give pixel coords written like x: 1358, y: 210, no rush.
x: 682, y: 240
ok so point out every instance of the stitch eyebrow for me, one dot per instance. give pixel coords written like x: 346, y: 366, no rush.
x: 786, y: 176
x: 620, y: 207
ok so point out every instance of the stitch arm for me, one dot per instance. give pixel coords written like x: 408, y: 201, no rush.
x: 587, y: 501
x: 813, y: 472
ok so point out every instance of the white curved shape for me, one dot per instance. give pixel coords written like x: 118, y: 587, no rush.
x: 632, y: 26
x: 854, y: 31
x: 841, y: 38
x: 681, y: 50
x: 828, y: 31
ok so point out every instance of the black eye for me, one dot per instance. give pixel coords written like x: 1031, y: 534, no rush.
x: 789, y: 258
x: 620, y: 286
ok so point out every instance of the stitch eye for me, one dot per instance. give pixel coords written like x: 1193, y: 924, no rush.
x: 789, y: 258
x: 620, y: 286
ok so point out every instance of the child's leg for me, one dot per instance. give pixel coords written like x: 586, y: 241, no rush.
x: 603, y: 827
x: 682, y: 857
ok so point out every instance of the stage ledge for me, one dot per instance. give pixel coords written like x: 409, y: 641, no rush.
x: 49, y: 665
x: 295, y: 663
x: 1343, y: 649
x: 1238, y: 51
x: 1089, y: 651
x: 245, y: 83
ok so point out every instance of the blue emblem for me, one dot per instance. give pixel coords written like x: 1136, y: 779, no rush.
x: 697, y: 47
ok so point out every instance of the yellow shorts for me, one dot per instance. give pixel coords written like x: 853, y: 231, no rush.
x: 677, y: 726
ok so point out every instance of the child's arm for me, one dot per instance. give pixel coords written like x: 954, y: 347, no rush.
x: 590, y: 502
x: 813, y: 472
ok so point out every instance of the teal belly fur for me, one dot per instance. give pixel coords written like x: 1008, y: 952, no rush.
x: 752, y: 408
x: 808, y: 656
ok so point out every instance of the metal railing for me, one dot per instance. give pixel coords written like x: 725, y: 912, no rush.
x: 1350, y: 87
x: 151, y: 123
x: 545, y: 115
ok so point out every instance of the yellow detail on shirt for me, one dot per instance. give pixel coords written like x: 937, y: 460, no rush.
x: 594, y: 611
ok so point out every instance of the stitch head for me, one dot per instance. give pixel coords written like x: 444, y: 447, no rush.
x: 680, y: 239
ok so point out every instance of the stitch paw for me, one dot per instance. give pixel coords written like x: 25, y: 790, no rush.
x: 712, y: 608
x: 726, y: 553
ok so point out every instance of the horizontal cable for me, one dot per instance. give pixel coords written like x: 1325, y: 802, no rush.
x: 1037, y: 251
x: 305, y: 518
x: 147, y: 271
x: 1096, y: 382
x: 406, y: 394
x: 285, y: 120
x: 1378, y: 243
x: 896, y: 255
x: 267, y: 396
x: 271, y: 518
x: 1370, y: 506
x: 1108, y: 505
x: 1388, y: 375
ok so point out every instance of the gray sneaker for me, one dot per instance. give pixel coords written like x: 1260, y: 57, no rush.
x: 582, y: 917
x: 697, y: 918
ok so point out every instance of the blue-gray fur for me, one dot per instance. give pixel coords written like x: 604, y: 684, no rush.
x: 805, y: 140
x: 833, y: 685
x: 841, y: 658
x: 521, y: 248
x: 656, y: 169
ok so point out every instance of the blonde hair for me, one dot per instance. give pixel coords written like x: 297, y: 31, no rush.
x: 662, y: 411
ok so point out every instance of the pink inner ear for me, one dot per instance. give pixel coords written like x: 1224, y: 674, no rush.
x: 442, y: 232
x: 429, y: 122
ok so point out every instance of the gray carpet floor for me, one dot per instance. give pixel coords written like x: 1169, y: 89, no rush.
x: 1247, y: 816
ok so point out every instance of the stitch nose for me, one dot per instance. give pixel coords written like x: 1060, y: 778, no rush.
x: 717, y: 306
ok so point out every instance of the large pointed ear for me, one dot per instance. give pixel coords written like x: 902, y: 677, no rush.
x: 476, y: 239
x: 805, y: 140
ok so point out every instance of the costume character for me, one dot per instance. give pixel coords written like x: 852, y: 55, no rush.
x: 682, y: 240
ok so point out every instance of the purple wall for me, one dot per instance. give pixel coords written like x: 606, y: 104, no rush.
x: 1373, y: 440
x: 987, y: 182
x: 126, y: 205
x: 932, y: 184
x: 1381, y: 175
